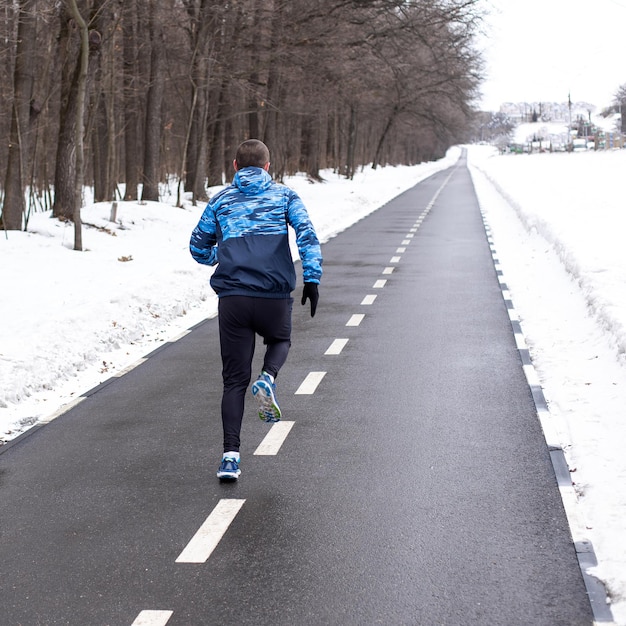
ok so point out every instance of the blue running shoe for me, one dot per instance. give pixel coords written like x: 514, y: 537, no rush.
x: 264, y: 390
x: 229, y: 469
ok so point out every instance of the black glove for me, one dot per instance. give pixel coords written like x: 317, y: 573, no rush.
x: 310, y: 291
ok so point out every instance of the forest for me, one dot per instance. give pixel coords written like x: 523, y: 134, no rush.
x: 123, y: 96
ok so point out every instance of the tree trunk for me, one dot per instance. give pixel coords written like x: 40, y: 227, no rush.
x: 383, y: 136
x: 81, y: 97
x: 131, y: 117
x: 65, y: 171
x: 350, y: 163
x: 199, y: 180
x: 195, y: 164
x: 102, y: 103
x: 154, y: 108
x: 193, y: 170
x: 99, y: 143
x: 270, y: 130
x: 230, y: 143
x: 216, y: 138
x: 254, y: 126
x: 21, y: 116
x: 309, y: 148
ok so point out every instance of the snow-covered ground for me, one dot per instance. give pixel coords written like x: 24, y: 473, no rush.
x: 72, y: 319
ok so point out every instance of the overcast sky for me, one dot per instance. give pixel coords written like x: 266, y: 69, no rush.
x: 540, y: 50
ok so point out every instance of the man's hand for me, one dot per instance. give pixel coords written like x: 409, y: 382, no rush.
x: 311, y: 292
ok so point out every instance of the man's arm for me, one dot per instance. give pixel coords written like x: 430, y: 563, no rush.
x: 306, y: 239
x: 203, y: 239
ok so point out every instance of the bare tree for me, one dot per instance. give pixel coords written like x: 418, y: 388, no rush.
x: 81, y: 98
x: 130, y: 99
x: 204, y: 20
x: 154, y: 119
x: 23, y: 111
x: 620, y: 106
x: 65, y: 170
x: 102, y: 123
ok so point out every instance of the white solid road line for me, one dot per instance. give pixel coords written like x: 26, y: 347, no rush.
x: 275, y: 438
x: 64, y: 409
x: 355, y: 320
x: 369, y: 299
x: 132, y: 366
x: 336, y: 346
x: 182, y: 334
x: 310, y: 383
x: 152, y: 618
x: 203, y: 543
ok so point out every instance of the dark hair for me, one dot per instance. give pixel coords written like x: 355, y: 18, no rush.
x: 252, y: 153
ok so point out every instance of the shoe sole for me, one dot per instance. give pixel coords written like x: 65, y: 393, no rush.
x: 269, y: 411
x: 228, y: 477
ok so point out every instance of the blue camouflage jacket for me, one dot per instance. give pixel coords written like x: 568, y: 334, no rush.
x: 247, y: 221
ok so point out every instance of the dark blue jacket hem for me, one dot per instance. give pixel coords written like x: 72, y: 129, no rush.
x: 254, y: 294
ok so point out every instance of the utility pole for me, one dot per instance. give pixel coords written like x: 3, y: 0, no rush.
x: 569, y: 126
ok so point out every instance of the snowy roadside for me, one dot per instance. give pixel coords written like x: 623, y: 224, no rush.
x: 560, y: 250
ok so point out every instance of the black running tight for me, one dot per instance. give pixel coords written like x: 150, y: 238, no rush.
x: 241, y: 318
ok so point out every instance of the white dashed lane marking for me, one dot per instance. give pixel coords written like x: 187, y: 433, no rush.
x: 368, y: 299
x: 394, y: 259
x: 355, y: 320
x: 336, y: 346
x: 379, y: 284
x: 203, y: 543
x: 310, y: 383
x: 152, y: 618
x: 275, y: 438
x: 388, y: 270
x: 401, y: 250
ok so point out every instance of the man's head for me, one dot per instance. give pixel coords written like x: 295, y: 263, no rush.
x: 252, y: 153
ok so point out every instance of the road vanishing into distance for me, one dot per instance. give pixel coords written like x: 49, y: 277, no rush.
x: 409, y: 482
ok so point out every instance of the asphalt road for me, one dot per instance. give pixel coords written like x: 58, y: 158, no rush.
x: 410, y: 485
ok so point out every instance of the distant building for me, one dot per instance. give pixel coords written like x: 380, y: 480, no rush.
x: 524, y: 112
